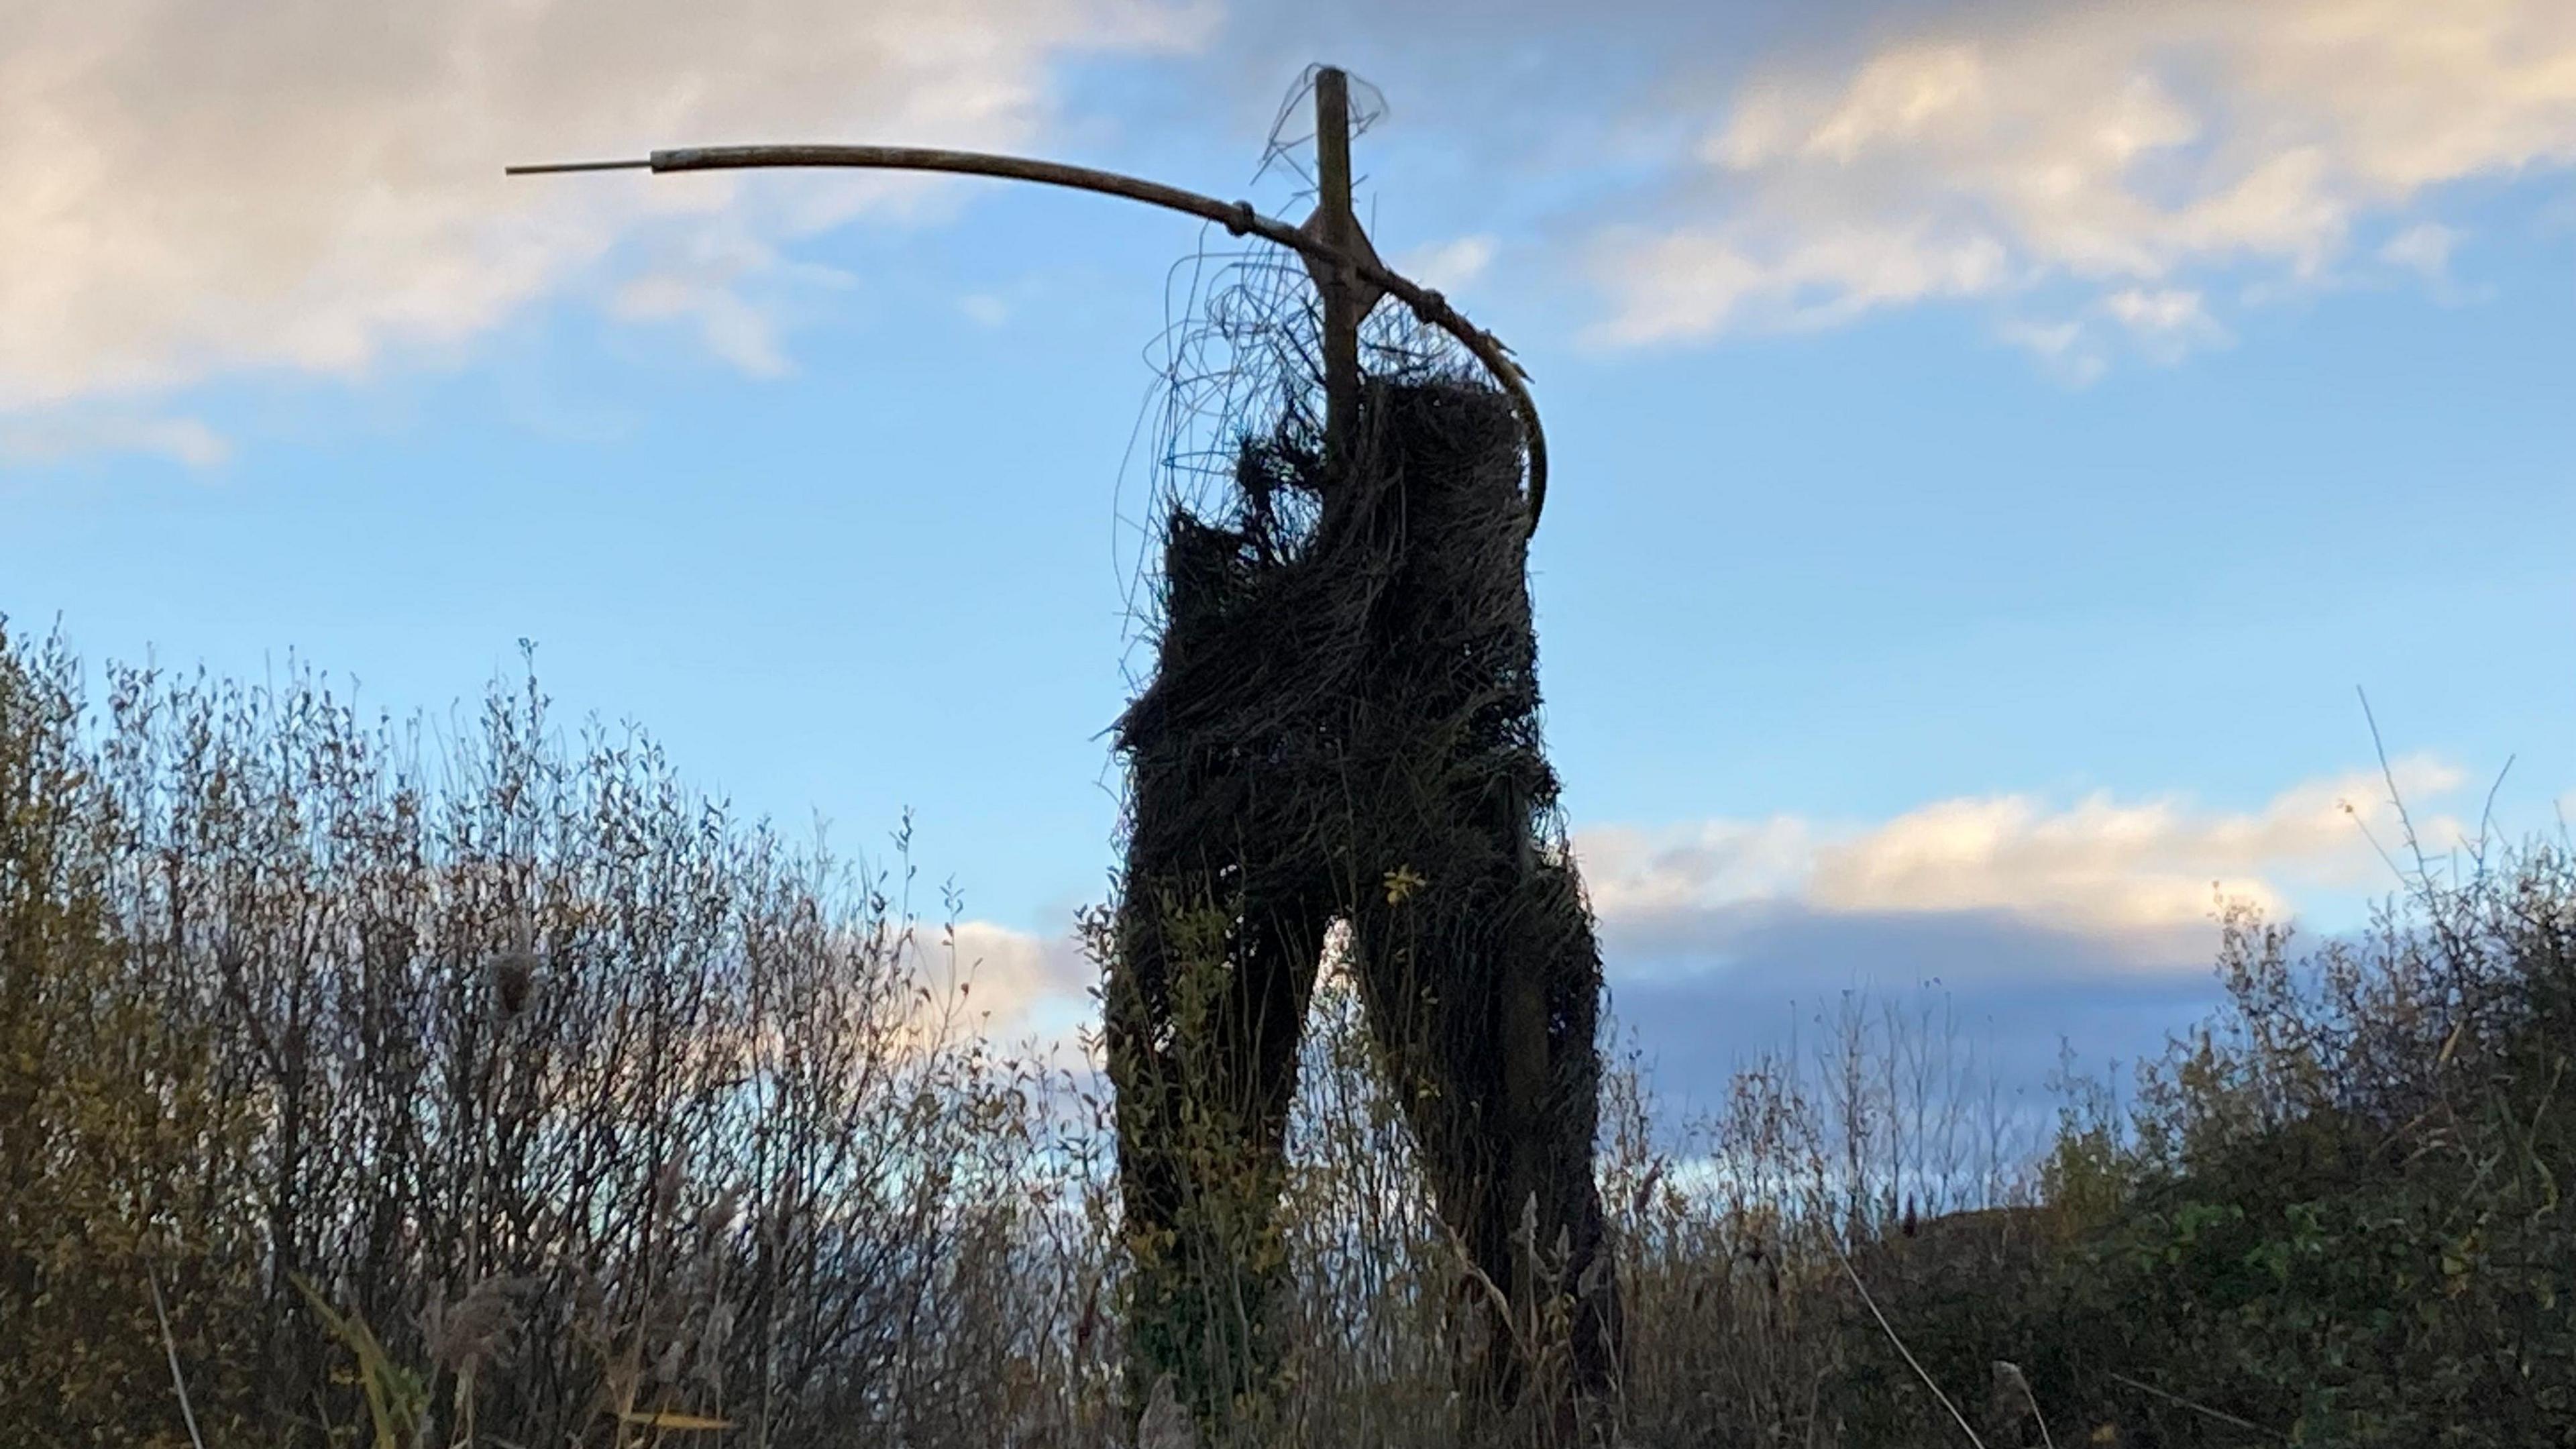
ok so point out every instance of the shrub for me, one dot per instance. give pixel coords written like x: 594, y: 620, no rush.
x: 587, y: 1101
x: 2338, y: 1216
x: 487, y: 1086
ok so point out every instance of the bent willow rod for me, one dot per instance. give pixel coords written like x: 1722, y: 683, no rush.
x: 1357, y: 265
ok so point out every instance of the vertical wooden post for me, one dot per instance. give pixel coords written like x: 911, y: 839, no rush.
x: 1338, y: 227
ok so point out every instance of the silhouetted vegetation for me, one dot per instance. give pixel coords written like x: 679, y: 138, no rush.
x: 2337, y: 1215
x: 364, y: 1081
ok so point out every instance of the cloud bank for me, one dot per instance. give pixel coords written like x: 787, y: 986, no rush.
x: 193, y: 187
x: 2026, y: 928
x: 2134, y: 882
x: 1012, y: 986
x: 2130, y: 157
x: 2030, y: 924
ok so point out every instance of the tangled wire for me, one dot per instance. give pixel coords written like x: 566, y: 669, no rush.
x: 1240, y: 355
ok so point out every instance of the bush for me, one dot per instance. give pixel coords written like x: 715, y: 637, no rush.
x: 2339, y: 1214
x: 486, y: 1086
x: 584, y: 1100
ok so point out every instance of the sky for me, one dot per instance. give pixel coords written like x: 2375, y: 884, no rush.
x: 1994, y: 444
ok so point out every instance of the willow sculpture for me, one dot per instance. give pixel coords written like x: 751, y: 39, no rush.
x: 1338, y: 749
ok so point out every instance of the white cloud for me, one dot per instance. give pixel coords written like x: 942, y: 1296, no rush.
x: 2423, y: 248
x: 2091, y: 917
x: 51, y: 437
x: 1696, y: 283
x: 2060, y: 886
x: 732, y: 328
x: 2158, y: 313
x: 190, y: 187
x: 984, y: 309
x: 2119, y: 149
x: 2067, y: 347
x: 2165, y: 322
x: 1017, y: 986
x: 1450, y: 265
x: 2100, y: 867
x: 730, y: 284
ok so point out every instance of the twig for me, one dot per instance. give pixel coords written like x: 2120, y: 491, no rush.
x: 2012, y: 1374
x: 2220, y: 1415
x: 2396, y: 797
x: 1872, y: 1304
x: 2486, y: 816
x: 170, y: 1345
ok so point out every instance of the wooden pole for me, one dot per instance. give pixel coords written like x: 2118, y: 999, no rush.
x: 1338, y: 228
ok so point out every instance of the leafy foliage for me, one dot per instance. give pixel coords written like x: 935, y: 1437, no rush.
x: 2339, y: 1216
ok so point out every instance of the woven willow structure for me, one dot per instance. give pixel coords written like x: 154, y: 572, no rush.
x: 1339, y: 741
x: 1342, y: 727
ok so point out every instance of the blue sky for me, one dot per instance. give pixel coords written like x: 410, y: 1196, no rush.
x: 1992, y: 441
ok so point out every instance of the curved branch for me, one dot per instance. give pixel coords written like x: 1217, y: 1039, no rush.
x: 1236, y: 217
